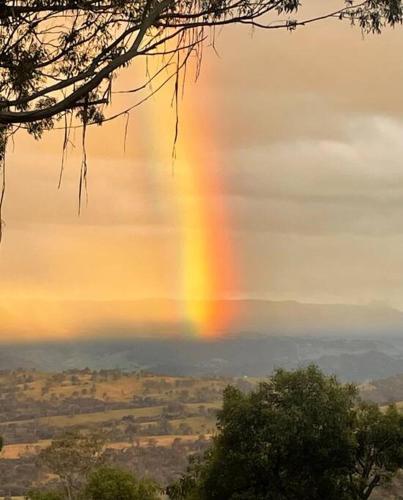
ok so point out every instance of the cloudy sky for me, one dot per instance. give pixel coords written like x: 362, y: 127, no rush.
x: 289, y: 169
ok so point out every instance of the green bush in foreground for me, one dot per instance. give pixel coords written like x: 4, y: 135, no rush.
x: 110, y: 483
x: 105, y: 483
x: 301, y: 435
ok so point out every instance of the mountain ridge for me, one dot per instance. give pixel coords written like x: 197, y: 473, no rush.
x: 95, y: 318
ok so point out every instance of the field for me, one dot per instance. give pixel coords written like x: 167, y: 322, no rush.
x: 155, y: 420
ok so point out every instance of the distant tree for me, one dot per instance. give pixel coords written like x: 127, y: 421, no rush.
x: 185, y: 428
x: 72, y: 457
x: 110, y: 483
x: 174, y: 408
x: 131, y: 431
x: 301, y: 435
x: 164, y: 426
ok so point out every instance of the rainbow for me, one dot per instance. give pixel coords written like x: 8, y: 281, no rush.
x: 207, y: 261
x: 208, y: 270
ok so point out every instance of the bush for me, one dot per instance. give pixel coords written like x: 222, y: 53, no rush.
x: 110, y: 483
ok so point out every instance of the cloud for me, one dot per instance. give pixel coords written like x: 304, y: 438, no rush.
x: 316, y: 186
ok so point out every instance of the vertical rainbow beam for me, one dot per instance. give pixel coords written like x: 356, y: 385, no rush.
x: 207, y: 262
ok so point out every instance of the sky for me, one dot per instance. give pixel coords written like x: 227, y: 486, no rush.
x: 287, y: 185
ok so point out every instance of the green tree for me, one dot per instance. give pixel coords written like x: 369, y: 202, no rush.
x: 110, y: 483
x: 301, y: 435
x: 72, y: 457
x: 378, y: 450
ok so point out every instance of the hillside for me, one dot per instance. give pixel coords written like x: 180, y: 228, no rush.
x: 150, y: 422
x: 357, y: 358
x: 384, y: 391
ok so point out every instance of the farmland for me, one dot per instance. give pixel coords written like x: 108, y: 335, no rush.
x: 148, y: 422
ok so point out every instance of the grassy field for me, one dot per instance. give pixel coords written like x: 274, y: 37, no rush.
x: 187, y: 420
x: 123, y: 388
x: 149, y: 422
x: 13, y: 451
x: 64, y: 421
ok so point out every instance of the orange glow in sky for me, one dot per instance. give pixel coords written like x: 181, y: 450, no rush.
x: 284, y: 188
x: 206, y: 260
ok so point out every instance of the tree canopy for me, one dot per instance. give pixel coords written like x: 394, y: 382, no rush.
x: 110, y: 483
x: 103, y: 483
x: 44, y: 495
x: 301, y: 435
x: 59, y: 57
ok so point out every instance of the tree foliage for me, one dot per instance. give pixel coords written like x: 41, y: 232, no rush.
x: 378, y: 449
x: 110, y: 483
x: 301, y: 435
x: 60, y: 56
x: 104, y: 483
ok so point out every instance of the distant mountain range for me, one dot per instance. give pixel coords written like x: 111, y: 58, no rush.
x: 355, y: 342
x: 160, y: 316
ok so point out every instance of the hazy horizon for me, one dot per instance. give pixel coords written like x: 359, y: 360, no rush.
x: 60, y: 320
